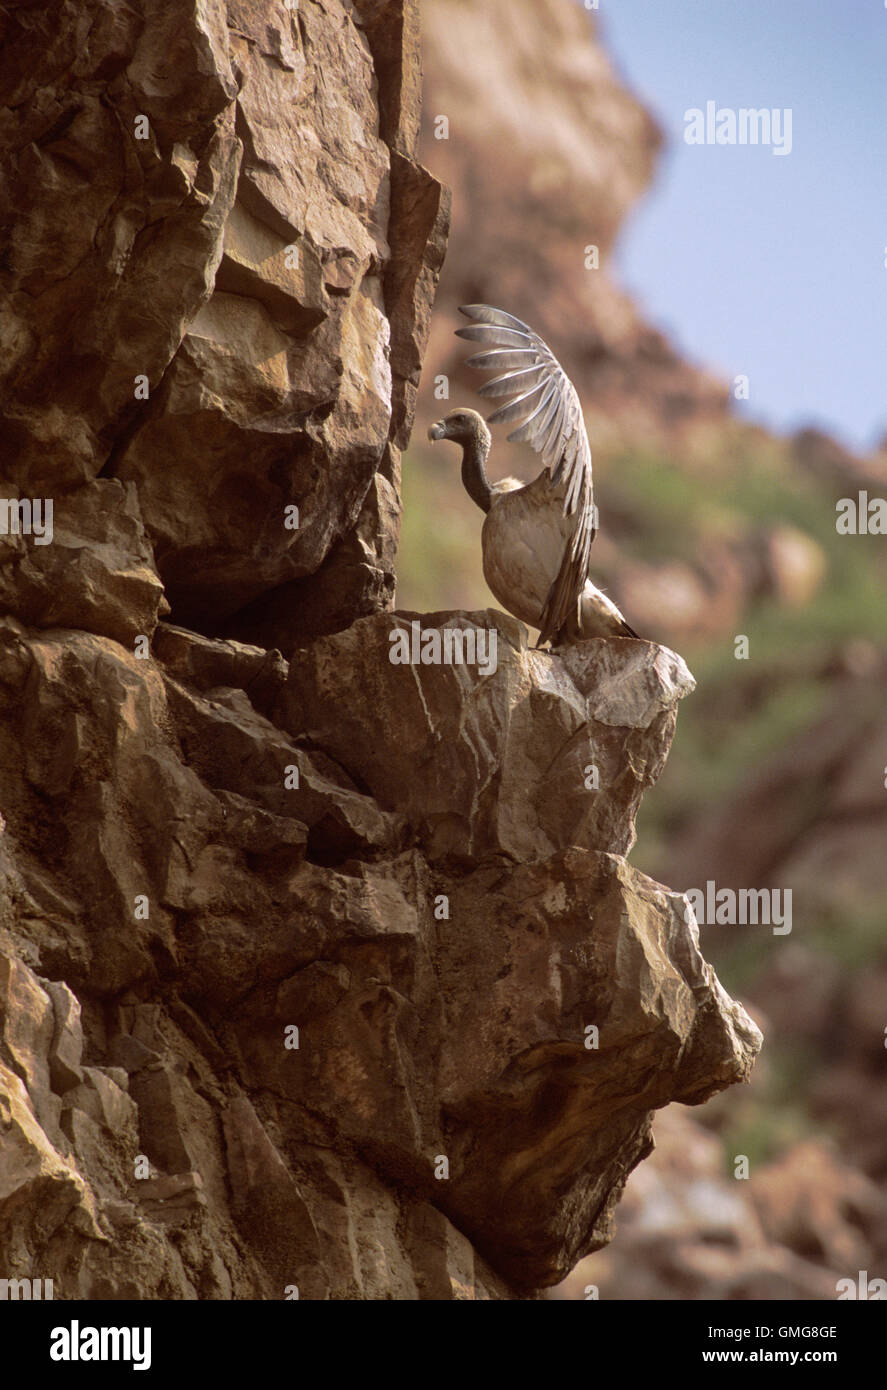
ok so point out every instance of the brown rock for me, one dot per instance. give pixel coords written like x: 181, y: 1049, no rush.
x: 105, y: 1102
x: 205, y: 664
x: 96, y: 573
x: 269, y: 1206
x: 66, y: 1048
x: 508, y: 769
x: 288, y: 263
x: 40, y: 1190
x: 27, y: 1027
x: 172, y: 1199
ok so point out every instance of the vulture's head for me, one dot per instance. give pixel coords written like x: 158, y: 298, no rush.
x: 462, y: 426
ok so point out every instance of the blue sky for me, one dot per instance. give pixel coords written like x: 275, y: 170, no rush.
x: 771, y: 266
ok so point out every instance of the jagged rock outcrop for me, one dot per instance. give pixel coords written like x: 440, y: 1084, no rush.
x: 217, y: 262
x: 437, y: 900
x: 318, y: 972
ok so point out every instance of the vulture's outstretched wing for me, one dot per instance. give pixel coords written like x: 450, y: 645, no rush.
x: 549, y: 416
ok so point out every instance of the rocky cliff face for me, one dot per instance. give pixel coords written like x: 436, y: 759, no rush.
x: 218, y: 271
x: 317, y: 972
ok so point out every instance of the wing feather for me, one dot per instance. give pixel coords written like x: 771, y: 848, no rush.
x: 551, y: 441
x: 509, y: 383
x: 499, y: 360
x: 485, y: 313
x: 525, y: 407
x: 537, y: 422
x: 549, y: 416
x: 498, y: 337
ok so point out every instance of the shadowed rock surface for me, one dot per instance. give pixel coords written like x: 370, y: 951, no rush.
x: 206, y: 844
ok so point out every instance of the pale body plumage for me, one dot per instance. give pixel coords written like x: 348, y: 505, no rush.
x: 522, y: 542
x: 536, y: 538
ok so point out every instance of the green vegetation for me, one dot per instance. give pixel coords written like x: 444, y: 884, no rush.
x: 666, y: 512
x: 743, y: 711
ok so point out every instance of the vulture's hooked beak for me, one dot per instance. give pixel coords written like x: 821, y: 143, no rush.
x: 438, y: 430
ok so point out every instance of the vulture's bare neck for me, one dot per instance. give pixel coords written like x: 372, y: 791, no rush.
x: 474, y: 473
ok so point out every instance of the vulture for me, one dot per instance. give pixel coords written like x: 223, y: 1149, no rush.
x: 536, y: 538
